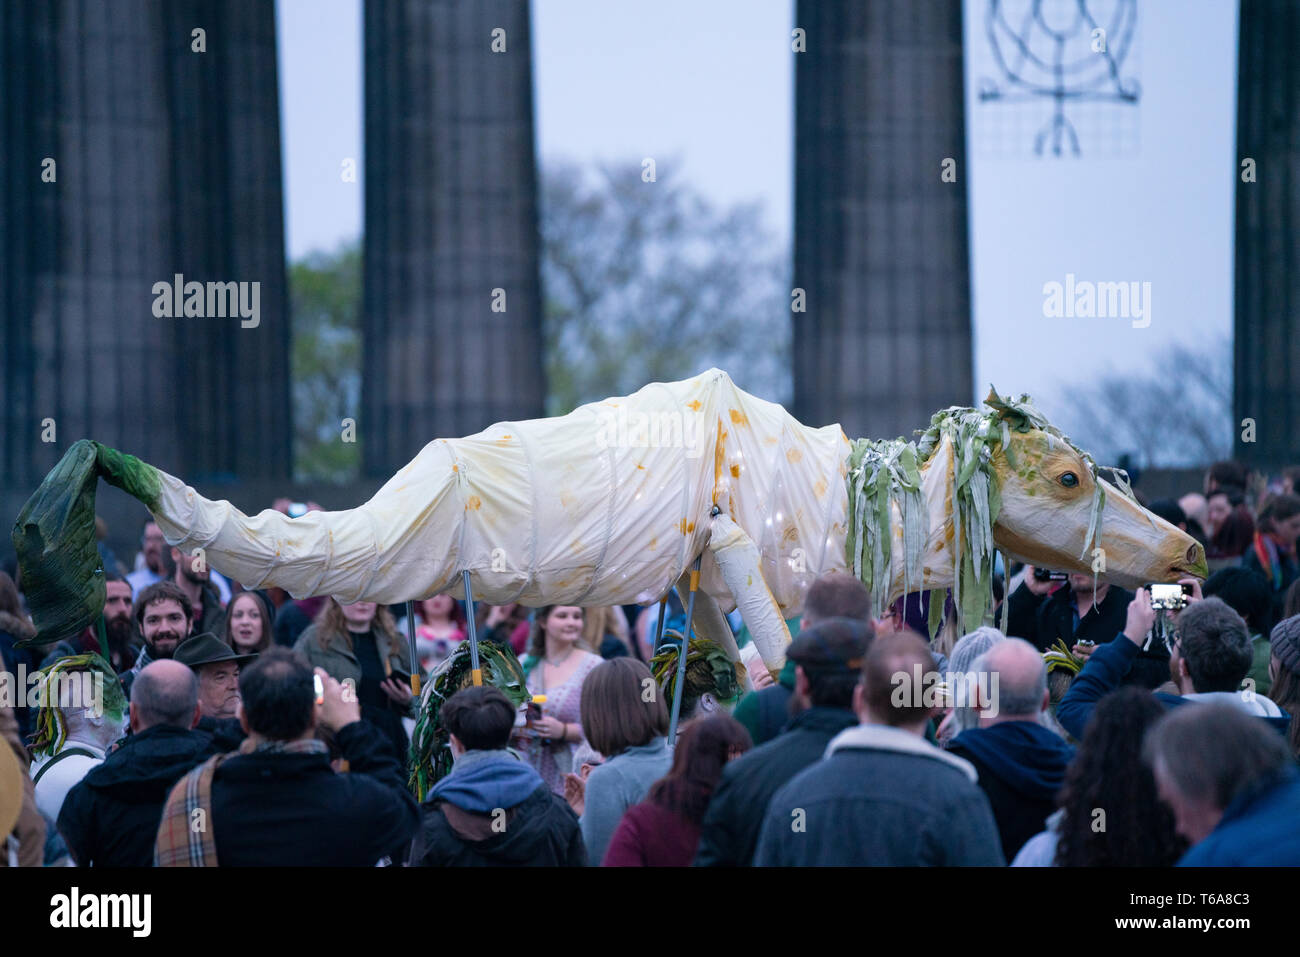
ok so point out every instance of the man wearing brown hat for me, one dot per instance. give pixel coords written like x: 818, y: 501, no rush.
x: 827, y: 659
x: 217, y: 667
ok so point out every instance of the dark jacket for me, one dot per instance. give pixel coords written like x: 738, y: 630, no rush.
x: 729, y: 833
x: 1277, y: 602
x: 764, y: 713
x: 882, y: 796
x: 225, y: 734
x: 292, y: 809
x: 494, y: 810
x: 1021, y: 766
x: 209, y: 617
x: 1102, y: 674
x: 1258, y: 829
x: 1052, y: 619
x: 110, y: 817
x: 14, y: 629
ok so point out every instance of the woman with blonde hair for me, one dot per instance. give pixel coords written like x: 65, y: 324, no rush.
x: 359, y: 644
x: 605, y: 631
x: 556, y: 666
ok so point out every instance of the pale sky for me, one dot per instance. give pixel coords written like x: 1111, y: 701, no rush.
x: 709, y: 84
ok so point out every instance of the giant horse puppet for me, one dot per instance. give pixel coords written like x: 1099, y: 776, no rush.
x: 614, y: 502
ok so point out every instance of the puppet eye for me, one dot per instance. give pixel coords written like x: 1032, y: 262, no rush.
x: 1069, y: 480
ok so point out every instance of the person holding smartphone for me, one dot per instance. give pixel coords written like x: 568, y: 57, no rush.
x: 358, y: 645
x: 1083, y: 613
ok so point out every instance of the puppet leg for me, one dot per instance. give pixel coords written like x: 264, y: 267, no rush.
x: 738, y: 559
x: 711, y: 624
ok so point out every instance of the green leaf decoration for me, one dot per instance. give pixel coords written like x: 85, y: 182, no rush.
x: 430, y: 756
x: 884, y: 482
x: 1060, y: 658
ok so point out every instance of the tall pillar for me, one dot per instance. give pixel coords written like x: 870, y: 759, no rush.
x: 880, y: 245
x: 450, y: 225
x: 1266, y: 325
x: 129, y: 157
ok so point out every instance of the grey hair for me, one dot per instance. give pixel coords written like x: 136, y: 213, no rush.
x: 1017, y: 701
x: 964, y: 655
x: 971, y: 646
x: 164, y: 701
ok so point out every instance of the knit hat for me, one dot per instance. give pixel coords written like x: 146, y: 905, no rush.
x: 1286, y: 642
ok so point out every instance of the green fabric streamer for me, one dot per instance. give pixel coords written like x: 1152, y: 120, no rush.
x: 54, y: 536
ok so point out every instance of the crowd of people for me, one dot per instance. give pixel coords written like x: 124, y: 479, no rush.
x: 1098, y: 730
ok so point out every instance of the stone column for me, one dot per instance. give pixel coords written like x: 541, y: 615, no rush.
x: 880, y: 245
x: 452, y: 303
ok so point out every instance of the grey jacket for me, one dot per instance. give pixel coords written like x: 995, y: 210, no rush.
x: 881, y: 796
x: 614, y: 787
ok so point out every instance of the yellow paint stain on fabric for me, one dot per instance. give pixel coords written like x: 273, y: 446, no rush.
x: 473, y: 503
x: 654, y: 543
x: 793, y: 455
x: 735, y: 471
x: 819, y: 488
x: 681, y: 526
x: 690, y: 527
x: 694, y: 405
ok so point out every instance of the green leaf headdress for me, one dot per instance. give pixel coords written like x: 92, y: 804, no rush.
x: 708, y: 670
x: 55, y: 683
x: 431, y: 742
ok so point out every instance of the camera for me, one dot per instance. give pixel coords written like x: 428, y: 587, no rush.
x: 1047, y: 575
x: 1172, y: 597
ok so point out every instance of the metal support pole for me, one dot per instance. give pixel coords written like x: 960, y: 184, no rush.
x: 659, y: 629
x: 682, y: 655
x: 415, y: 657
x: 476, y: 672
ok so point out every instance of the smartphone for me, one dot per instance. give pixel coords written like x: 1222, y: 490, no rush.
x: 1047, y: 575
x: 1169, y: 596
x: 320, y: 688
x: 401, y: 677
x: 297, y: 509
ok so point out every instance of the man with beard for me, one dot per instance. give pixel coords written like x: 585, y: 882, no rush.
x: 192, y: 576
x: 122, y: 644
x: 164, y: 617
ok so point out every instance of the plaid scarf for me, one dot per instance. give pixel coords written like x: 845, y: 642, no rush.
x: 185, y: 837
